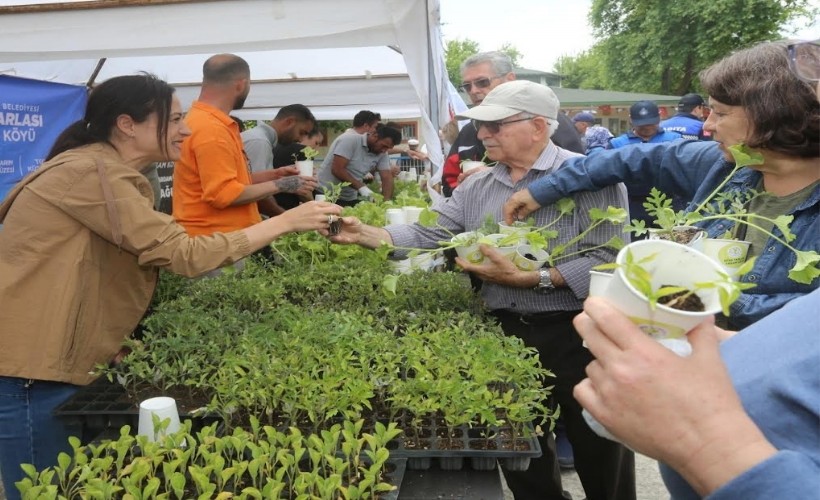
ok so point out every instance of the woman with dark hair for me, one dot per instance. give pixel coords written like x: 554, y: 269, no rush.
x: 80, y: 252
x: 758, y: 101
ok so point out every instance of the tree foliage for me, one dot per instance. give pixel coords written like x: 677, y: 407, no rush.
x: 584, y: 71
x: 651, y: 46
x: 456, y: 51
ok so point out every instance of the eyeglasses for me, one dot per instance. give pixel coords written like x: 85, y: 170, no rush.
x: 804, y: 60
x: 481, y: 83
x: 495, y: 127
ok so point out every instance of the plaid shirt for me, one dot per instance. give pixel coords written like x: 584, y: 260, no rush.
x: 486, y: 192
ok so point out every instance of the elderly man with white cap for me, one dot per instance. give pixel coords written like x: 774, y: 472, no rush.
x: 515, y: 122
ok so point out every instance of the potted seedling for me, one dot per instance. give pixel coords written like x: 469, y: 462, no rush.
x: 667, y: 288
x: 305, y: 166
x: 731, y: 207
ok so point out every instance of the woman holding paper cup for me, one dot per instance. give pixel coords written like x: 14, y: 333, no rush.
x: 80, y: 252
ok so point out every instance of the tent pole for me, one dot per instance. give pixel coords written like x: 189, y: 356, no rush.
x: 96, y: 72
x: 432, y: 84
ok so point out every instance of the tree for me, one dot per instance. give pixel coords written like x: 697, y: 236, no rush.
x: 456, y: 51
x: 661, y: 46
x: 584, y: 71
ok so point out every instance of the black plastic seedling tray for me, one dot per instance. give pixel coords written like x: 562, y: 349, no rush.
x: 467, y: 444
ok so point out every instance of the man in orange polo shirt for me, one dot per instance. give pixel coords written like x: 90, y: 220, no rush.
x: 214, y: 190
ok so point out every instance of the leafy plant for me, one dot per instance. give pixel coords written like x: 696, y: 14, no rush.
x: 732, y: 206
x: 262, y: 463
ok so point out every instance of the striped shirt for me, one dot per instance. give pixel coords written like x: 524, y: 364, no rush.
x: 485, y: 193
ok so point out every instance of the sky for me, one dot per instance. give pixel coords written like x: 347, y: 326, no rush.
x: 542, y: 30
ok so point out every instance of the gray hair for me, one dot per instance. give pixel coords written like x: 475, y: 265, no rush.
x: 501, y: 62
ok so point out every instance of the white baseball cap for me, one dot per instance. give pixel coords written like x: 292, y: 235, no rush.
x: 511, y: 98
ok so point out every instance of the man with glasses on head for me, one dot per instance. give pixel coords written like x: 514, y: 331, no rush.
x: 515, y: 122
x: 480, y: 74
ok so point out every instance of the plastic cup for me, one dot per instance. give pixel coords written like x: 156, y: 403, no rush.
x: 413, y: 144
x: 164, y: 408
x: 305, y: 168
x: 598, y: 283
x: 320, y: 197
x: 395, y: 216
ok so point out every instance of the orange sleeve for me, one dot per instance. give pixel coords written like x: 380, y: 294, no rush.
x: 223, y: 176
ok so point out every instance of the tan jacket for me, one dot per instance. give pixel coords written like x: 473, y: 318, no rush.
x: 79, y: 253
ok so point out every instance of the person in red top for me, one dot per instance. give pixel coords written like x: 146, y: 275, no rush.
x: 214, y: 190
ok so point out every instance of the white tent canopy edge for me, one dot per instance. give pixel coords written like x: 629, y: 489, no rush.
x: 48, y: 44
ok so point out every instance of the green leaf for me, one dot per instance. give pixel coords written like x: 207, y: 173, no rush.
x: 565, y: 205
x: 745, y: 156
x: 428, y: 218
x: 805, y: 269
x: 390, y: 283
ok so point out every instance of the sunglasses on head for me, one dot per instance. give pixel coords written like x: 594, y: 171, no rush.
x: 480, y: 83
x: 804, y: 60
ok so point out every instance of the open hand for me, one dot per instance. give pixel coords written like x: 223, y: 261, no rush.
x: 313, y: 215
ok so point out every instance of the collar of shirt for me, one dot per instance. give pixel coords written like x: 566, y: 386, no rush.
x: 216, y: 113
x: 543, y: 163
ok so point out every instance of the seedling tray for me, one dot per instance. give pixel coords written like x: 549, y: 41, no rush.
x: 468, y: 445
x: 102, y: 405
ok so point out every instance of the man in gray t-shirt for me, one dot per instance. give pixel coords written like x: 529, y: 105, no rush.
x: 352, y: 156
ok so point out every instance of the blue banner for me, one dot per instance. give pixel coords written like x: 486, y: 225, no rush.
x: 32, y: 114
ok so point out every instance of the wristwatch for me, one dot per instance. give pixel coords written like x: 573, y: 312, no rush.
x: 545, y: 284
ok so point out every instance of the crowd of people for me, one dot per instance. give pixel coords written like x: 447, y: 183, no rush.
x: 736, y: 419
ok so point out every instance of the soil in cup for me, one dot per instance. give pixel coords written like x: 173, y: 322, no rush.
x: 683, y: 301
x: 680, y: 235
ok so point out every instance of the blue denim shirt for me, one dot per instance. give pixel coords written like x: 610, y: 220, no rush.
x: 692, y: 170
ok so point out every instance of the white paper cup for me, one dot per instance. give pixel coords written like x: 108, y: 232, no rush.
x: 411, y: 214
x: 468, y: 165
x: 421, y: 262
x: 401, y: 266
x: 305, y: 168
x: 527, y: 264
x: 513, y: 229
x: 394, y: 216
x: 471, y: 253
x: 676, y: 265
x: 320, y: 197
x: 731, y: 254
x: 164, y: 408
x: 598, y: 283
x: 507, y: 251
x: 413, y: 144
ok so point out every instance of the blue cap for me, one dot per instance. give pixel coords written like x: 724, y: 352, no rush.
x: 583, y: 116
x: 644, y: 113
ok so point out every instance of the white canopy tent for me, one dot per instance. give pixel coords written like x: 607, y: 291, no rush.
x: 335, y: 56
